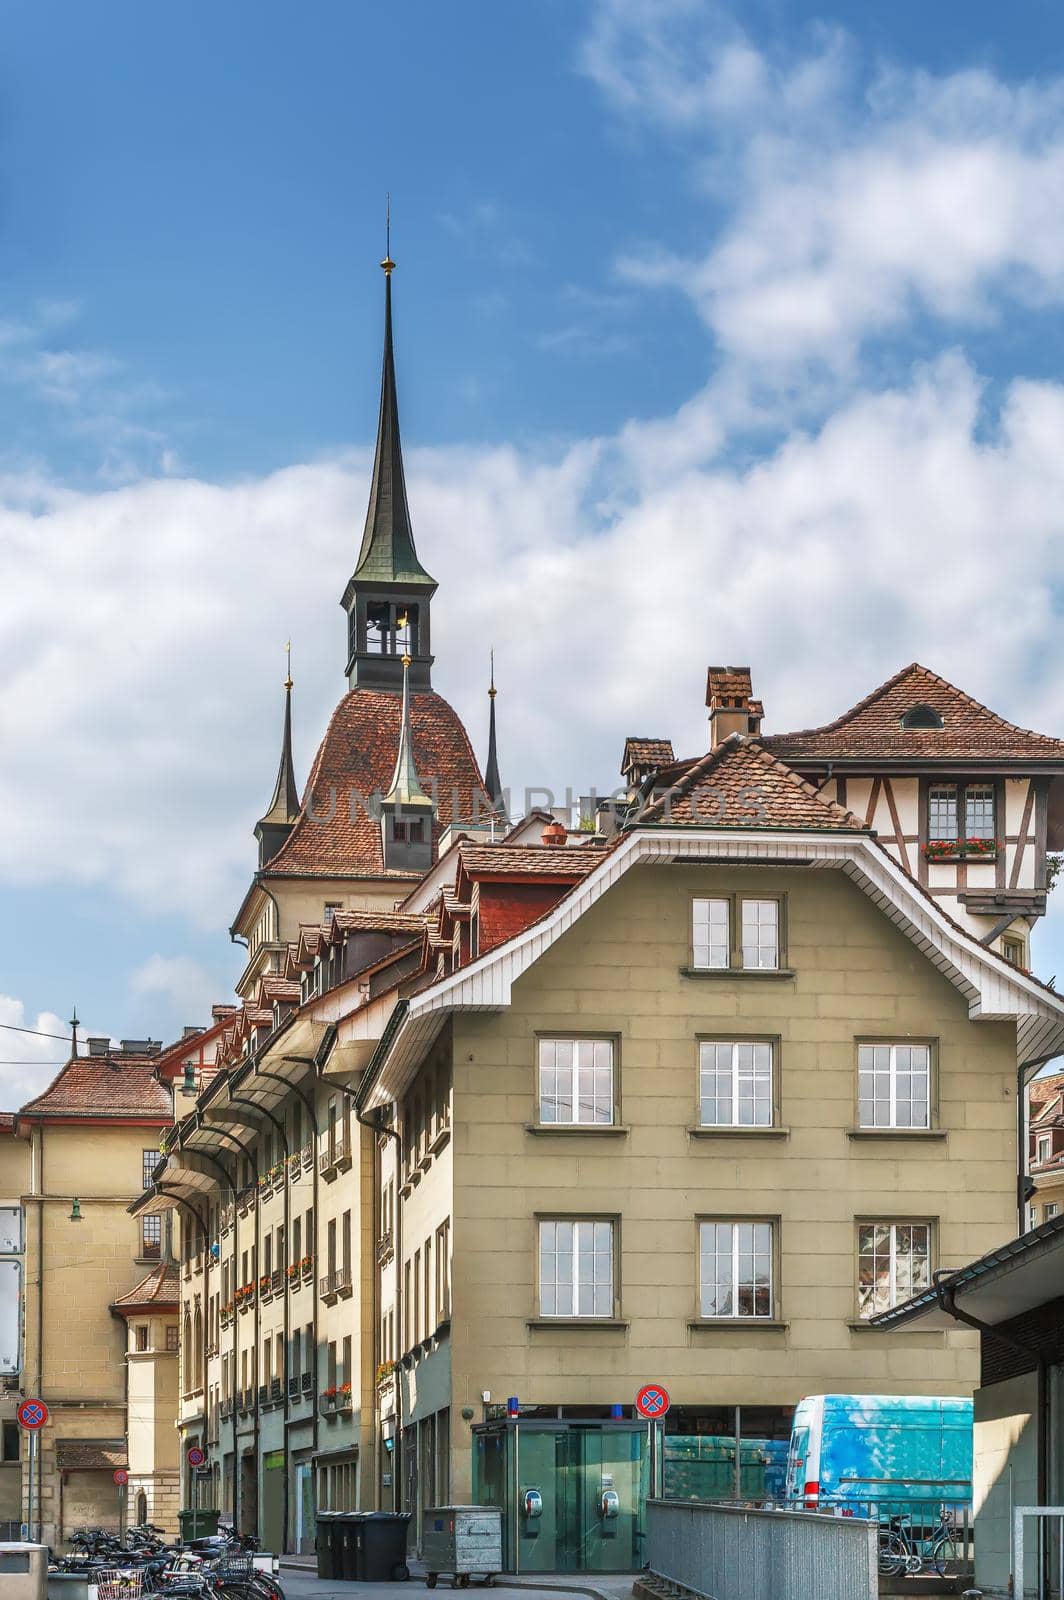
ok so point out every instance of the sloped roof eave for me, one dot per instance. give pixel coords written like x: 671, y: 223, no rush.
x: 485, y: 984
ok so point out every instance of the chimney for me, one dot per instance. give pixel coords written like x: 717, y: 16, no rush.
x: 190, y: 1030
x: 99, y: 1046
x: 555, y: 833
x: 732, y: 708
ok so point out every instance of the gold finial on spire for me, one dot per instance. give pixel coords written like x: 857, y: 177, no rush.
x: 288, y: 659
x: 492, y: 691
x: 388, y: 264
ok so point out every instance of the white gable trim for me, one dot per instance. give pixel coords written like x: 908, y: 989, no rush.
x: 994, y: 990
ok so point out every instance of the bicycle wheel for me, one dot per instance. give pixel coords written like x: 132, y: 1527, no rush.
x: 893, y: 1554
x: 944, y: 1556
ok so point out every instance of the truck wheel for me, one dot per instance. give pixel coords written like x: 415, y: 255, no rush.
x: 430, y: 1580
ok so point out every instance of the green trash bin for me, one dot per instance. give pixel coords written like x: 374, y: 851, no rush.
x: 200, y: 1523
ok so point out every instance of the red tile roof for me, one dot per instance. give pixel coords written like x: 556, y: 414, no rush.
x: 104, y: 1086
x: 355, y: 762
x: 741, y: 785
x: 645, y: 752
x: 1043, y: 1089
x: 524, y: 859
x: 160, y: 1288
x: 380, y: 921
x: 873, y: 728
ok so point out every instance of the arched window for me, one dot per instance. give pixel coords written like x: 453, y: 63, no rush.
x: 142, y: 1508
x: 921, y: 717
x: 197, y: 1351
x: 187, y: 1361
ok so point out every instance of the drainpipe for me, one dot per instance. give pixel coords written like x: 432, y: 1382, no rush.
x: 38, y: 1452
x: 1024, y: 1187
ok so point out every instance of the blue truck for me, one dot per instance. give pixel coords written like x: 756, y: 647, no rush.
x: 850, y: 1450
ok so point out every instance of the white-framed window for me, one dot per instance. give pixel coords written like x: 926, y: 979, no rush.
x: 712, y: 933
x: 576, y: 1081
x: 893, y: 1263
x: 576, y: 1268
x: 942, y: 811
x: 720, y: 923
x: 735, y: 1269
x: 1043, y: 1147
x: 760, y: 933
x: 1014, y: 950
x: 894, y: 1085
x: 1050, y: 1210
x: 979, y: 811
x: 735, y: 1083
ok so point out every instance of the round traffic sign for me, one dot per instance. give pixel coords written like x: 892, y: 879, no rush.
x: 195, y: 1457
x: 32, y: 1414
x: 121, y: 1476
x: 652, y: 1400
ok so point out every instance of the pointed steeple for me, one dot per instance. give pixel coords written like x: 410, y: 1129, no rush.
x: 389, y: 581
x: 492, y: 781
x: 273, y: 829
x: 388, y: 554
x: 406, y: 810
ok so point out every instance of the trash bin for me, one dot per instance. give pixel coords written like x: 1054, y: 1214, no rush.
x: 199, y: 1523
x: 326, y: 1537
x: 24, y: 1571
x: 349, y: 1539
x: 382, y: 1545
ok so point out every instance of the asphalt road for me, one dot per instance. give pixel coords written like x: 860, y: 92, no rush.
x: 306, y: 1585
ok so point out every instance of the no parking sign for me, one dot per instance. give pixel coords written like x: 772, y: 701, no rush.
x: 652, y: 1401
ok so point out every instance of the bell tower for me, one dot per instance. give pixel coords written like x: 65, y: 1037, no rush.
x: 388, y: 596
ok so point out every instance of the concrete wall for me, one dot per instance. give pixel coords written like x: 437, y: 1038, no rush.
x: 1005, y: 1474
x: 619, y: 971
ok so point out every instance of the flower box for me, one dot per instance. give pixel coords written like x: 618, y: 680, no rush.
x: 961, y: 849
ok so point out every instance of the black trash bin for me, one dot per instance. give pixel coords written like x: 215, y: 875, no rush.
x: 326, y: 1539
x: 349, y: 1540
x: 382, y: 1545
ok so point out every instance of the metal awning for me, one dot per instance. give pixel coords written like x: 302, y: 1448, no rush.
x: 1017, y: 1277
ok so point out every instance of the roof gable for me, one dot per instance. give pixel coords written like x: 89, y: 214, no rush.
x: 102, y: 1087
x: 874, y: 727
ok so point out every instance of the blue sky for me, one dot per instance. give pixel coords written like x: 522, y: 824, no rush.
x: 721, y: 335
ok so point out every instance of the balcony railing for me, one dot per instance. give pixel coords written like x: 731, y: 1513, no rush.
x: 306, y: 1383
x: 327, y: 1288
x: 342, y: 1282
x: 385, y: 1249
x: 336, y: 1157
x: 263, y: 1394
x: 276, y: 1389
x: 277, y: 1281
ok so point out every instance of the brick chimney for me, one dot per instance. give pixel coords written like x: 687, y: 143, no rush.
x: 732, y: 708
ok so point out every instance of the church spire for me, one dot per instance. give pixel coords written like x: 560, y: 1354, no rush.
x: 388, y: 554
x: 492, y: 781
x: 273, y: 829
x: 389, y: 581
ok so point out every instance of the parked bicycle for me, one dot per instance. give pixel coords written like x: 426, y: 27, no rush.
x: 903, y: 1549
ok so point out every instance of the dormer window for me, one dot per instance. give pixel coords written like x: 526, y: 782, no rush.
x: 921, y: 717
x: 408, y: 831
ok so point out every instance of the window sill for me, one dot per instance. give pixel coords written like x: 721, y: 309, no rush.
x: 569, y: 1323
x: 737, y: 1325
x: 934, y: 1134
x: 757, y: 974
x: 744, y: 1132
x: 442, y: 1138
x: 570, y: 1130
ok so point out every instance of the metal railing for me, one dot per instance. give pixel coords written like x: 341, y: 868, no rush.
x: 738, y: 1552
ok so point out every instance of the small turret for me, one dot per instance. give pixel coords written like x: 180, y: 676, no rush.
x: 492, y: 781
x: 273, y: 829
x: 406, y: 811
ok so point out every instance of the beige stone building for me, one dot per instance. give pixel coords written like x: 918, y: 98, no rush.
x: 93, y: 1139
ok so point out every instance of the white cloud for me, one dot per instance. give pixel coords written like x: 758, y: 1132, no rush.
x: 187, y: 985
x: 853, y: 201
x: 31, y: 1051
x: 144, y: 627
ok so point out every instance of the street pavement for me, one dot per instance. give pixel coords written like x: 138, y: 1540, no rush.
x: 302, y: 1583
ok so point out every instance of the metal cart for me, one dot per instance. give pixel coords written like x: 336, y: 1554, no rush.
x: 465, y: 1541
